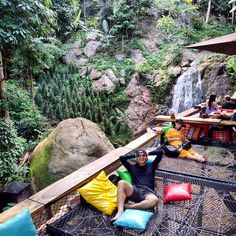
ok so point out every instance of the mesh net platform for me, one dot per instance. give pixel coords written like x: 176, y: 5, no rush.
x: 212, y: 210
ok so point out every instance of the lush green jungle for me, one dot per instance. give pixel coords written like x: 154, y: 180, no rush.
x: 38, y: 90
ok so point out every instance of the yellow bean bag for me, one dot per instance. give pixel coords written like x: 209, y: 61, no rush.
x: 100, y: 193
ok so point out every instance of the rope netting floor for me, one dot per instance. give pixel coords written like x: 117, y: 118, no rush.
x: 212, y: 210
x: 221, y: 163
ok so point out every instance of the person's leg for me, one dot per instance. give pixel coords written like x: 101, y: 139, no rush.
x: 149, y: 202
x: 124, y: 190
x: 201, y: 156
x: 196, y: 157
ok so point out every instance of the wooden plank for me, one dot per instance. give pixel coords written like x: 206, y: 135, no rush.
x: 147, y: 137
x: 193, y: 120
x: 33, y: 206
x: 228, y: 122
x: 189, y: 112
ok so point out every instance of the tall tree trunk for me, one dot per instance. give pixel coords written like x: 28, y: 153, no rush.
x: 3, y: 111
x: 208, y: 11
x: 84, y: 8
x: 31, y: 85
x: 233, y: 13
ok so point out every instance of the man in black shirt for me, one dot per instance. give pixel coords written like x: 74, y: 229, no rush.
x: 141, y: 192
x: 228, y: 104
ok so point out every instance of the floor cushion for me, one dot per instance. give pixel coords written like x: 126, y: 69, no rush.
x: 125, y: 175
x: 177, y: 192
x: 134, y: 219
x: 100, y: 193
x: 19, y: 225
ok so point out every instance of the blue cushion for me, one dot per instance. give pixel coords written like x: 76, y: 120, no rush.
x: 134, y: 219
x: 150, y: 159
x: 19, y: 225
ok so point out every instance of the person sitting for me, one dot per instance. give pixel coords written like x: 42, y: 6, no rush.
x: 228, y: 104
x: 233, y: 117
x: 141, y: 191
x: 211, y: 107
x: 175, y: 138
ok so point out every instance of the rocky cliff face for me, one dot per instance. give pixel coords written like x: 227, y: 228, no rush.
x: 215, y: 79
x: 141, y: 109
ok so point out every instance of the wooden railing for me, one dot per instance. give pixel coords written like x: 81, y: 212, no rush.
x: 42, y: 201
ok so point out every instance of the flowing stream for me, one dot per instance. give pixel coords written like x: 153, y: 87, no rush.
x: 188, y: 89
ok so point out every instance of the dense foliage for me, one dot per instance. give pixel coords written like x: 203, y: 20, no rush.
x: 28, y: 120
x: 62, y: 94
x: 11, y: 149
x: 68, y: 16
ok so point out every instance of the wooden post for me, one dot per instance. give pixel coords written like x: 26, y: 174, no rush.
x: 208, y: 11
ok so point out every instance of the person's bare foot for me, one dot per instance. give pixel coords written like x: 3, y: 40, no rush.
x: 205, y: 157
x: 118, y: 214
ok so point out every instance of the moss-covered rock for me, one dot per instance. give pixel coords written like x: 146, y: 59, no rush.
x: 39, y: 165
x: 73, y: 144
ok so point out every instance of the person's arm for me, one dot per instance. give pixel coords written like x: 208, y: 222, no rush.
x: 169, y: 136
x: 124, y: 160
x: 216, y: 107
x: 158, y: 157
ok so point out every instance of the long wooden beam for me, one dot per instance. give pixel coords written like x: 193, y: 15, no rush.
x: 189, y: 112
x: 68, y: 184
x: 33, y: 206
x: 193, y: 120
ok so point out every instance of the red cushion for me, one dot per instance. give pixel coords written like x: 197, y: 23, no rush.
x: 177, y: 192
x: 221, y: 135
x: 227, y: 110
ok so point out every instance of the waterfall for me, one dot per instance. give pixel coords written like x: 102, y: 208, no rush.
x: 188, y: 89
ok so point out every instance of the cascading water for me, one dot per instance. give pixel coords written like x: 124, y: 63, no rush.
x: 188, y: 89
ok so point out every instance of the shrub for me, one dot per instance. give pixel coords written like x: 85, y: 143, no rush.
x: 231, y: 68
x: 197, y: 22
x: 160, y: 92
x: 11, y: 149
x: 28, y: 119
x: 166, y: 25
x: 92, y: 22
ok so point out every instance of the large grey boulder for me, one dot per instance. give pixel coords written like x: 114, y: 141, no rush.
x: 104, y: 83
x: 138, y: 58
x: 74, y: 51
x: 73, y: 144
x: 91, y: 48
x: 216, y: 81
